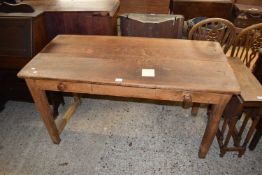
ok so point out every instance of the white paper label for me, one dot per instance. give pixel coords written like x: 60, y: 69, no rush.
x: 259, y: 97
x: 148, y: 72
x: 118, y: 79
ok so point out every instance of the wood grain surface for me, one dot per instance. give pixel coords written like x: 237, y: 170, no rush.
x: 249, y: 85
x: 178, y: 64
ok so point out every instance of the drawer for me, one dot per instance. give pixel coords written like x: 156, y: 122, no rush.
x: 134, y: 92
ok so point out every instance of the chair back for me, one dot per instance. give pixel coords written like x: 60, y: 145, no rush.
x: 247, y: 45
x: 214, y: 29
x: 151, y: 25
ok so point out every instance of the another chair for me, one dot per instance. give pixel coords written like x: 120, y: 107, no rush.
x: 258, y: 74
x: 244, y: 112
x: 213, y: 29
x: 247, y: 44
x: 151, y: 25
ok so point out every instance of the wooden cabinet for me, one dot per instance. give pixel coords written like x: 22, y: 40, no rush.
x: 23, y: 35
x: 21, y: 38
x: 83, y: 23
x: 15, y: 33
x: 78, y: 17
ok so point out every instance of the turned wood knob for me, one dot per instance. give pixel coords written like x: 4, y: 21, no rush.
x: 187, y: 100
x: 61, y: 87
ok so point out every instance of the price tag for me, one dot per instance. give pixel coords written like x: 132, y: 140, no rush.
x: 118, y: 79
x: 148, y: 72
x: 259, y: 97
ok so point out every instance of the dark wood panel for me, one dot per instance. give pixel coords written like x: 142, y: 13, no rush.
x: 205, y: 8
x: 84, y: 23
x: 39, y: 35
x: 144, y: 6
x: 15, y: 34
x: 21, y: 39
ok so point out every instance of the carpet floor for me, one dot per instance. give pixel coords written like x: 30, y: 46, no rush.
x: 111, y: 137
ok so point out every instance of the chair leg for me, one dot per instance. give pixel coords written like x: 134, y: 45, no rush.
x: 256, y: 137
x: 228, y: 129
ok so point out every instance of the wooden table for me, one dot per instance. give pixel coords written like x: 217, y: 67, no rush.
x: 186, y: 71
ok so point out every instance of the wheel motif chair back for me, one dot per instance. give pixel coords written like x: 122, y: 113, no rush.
x: 214, y: 29
x: 247, y: 44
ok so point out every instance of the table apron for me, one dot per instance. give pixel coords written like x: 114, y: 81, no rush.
x: 127, y: 91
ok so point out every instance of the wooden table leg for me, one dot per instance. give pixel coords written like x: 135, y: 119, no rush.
x: 43, y: 107
x: 212, y: 125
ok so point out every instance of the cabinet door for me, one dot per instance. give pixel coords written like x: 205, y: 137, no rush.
x: 16, y: 37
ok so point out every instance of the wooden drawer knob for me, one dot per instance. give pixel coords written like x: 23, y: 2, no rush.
x: 61, y: 87
x: 187, y: 100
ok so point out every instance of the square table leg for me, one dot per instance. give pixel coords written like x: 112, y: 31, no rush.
x: 43, y: 107
x: 212, y: 125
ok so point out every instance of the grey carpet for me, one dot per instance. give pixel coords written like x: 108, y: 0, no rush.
x: 107, y: 137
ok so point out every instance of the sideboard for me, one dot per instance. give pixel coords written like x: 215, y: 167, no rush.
x: 23, y: 35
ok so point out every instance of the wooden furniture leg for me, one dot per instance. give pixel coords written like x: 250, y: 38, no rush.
x: 256, y: 137
x: 212, y: 125
x: 195, y: 109
x: 43, y: 107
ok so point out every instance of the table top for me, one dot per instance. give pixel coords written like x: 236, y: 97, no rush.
x: 178, y: 64
x: 96, y: 6
x: 251, y: 89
